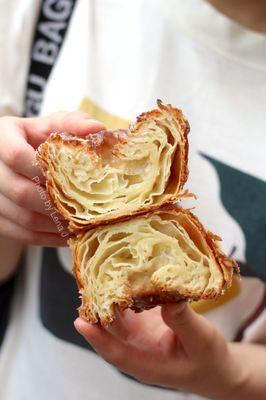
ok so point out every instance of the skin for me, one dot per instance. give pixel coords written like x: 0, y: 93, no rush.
x: 249, y: 13
x: 191, y: 354
x: 174, y: 347
x: 23, y: 216
x: 188, y: 349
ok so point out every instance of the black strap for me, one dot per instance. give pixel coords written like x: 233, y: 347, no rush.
x: 50, y: 32
x: 6, y: 296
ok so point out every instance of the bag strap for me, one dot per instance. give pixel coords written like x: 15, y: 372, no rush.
x: 50, y: 31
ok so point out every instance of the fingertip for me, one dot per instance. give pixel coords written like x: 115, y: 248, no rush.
x: 80, y: 324
x: 76, y: 123
x: 84, y: 327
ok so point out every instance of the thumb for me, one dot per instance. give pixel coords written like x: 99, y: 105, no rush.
x: 192, y: 330
x: 76, y: 123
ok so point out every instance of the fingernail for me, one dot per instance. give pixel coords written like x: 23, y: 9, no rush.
x: 94, y: 121
x: 76, y: 324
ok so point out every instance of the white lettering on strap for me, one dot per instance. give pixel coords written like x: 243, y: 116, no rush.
x: 45, y: 52
x: 57, y: 10
x: 52, y: 30
x: 34, y: 96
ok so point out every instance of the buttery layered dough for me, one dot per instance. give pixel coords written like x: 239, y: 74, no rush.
x: 133, y: 247
x: 111, y: 174
x: 162, y: 257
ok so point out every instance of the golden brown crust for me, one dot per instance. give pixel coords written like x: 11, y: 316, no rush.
x: 180, y: 171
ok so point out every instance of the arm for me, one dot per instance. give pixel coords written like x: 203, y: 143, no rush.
x: 251, y: 358
x: 180, y: 349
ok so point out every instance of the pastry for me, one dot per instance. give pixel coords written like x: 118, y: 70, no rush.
x: 133, y: 247
x: 160, y: 257
x: 111, y: 174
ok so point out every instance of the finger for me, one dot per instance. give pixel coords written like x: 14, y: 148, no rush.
x: 118, y: 327
x: 23, y: 192
x: 16, y: 232
x: 24, y: 135
x: 123, y: 356
x: 75, y: 123
x: 168, y: 343
x: 101, y: 340
x: 29, y: 219
x: 141, y: 329
x: 192, y: 330
x: 15, y: 152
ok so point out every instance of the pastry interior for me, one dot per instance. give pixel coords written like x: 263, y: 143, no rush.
x: 161, y: 257
x: 110, y: 174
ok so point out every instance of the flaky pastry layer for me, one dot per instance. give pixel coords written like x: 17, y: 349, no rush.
x: 161, y: 257
x: 112, y: 174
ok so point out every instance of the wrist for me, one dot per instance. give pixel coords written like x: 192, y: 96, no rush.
x: 227, y: 377
x: 234, y: 376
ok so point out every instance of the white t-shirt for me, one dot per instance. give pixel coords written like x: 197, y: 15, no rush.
x: 117, y: 59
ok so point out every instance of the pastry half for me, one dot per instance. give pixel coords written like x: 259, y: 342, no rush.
x: 160, y: 257
x: 112, y: 174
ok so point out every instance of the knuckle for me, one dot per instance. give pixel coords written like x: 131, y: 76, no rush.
x: 20, y: 194
x: 53, y: 121
x: 29, y: 220
x: 12, y: 155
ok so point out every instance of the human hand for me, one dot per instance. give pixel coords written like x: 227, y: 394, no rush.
x: 23, y: 213
x: 173, y: 347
